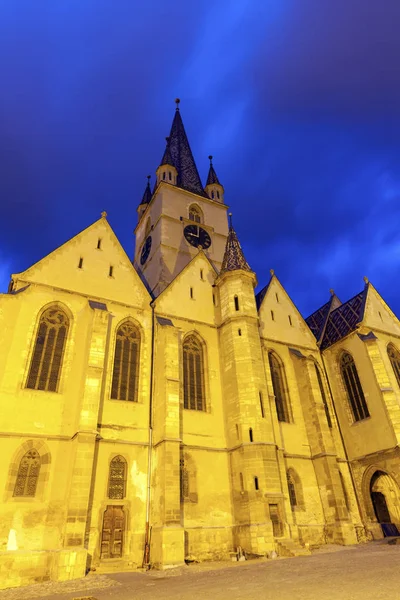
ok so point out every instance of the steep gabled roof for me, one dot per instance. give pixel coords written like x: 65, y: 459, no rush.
x: 344, y: 319
x: 179, y: 154
x: 317, y: 321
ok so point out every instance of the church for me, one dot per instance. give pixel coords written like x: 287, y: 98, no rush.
x: 155, y: 410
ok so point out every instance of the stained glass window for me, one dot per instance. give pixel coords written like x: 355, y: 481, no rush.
x: 126, y: 363
x: 278, y: 384
x: 46, y: 362
x: 353, y: 387
x: 117, y: 478
x: 394, y: 356
x: 193, y: 374
x: 28, y: 474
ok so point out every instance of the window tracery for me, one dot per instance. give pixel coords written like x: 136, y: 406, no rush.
x: 126, y: 363
x: 28, y: 474
x: 394, y: 357
x: 48, y: 352
x: 195, y: 214
x: 117, y: 478
x: 353, y: 387
x: 193, y: 374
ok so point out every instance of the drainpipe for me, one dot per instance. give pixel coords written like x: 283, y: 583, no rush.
x: 343, y: 444
x: 146, y: 554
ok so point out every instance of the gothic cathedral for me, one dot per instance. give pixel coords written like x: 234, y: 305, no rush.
x: 156, y: 410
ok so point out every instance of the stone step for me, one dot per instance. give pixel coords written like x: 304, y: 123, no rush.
x: 290, y: 548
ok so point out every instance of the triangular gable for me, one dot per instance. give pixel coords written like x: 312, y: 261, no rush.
x: 378, y: 315
x: 176, y: 299
x: 317, y: 321
x: 344, y: 319
x: 80, y: 266
x: 279, y: 317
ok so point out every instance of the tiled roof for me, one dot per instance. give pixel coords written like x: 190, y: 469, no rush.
x: 234, y: 258
x: 344, y: 319
x: 179, y: 155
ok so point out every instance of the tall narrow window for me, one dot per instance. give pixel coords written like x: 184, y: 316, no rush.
x: 126, y: 363
x: 272, y: 315
x: 278, y: 384
x: 99, y: 244
x: 191, y: 293
x: 277, y: 298
x: 236, y: 299
x: 394, y: 356
x: 193, y: 374
x: 353, y: 387
x: 46, y: 362
x: 117, y: 478
x: 256, y: 483
x: 261, y: 404
x: 290, y: 320
x: 80, y: 264
x: 292, y: 489
x: 195, y: 214
x: 241, y: 482
x: 321, y: 389
x: 28, y: 474
x: 250, y: 434
x: 110, y: 271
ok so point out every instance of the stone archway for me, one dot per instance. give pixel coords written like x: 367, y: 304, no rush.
x: 385, y: 498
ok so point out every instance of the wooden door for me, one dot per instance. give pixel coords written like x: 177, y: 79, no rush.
x: 113, y: 532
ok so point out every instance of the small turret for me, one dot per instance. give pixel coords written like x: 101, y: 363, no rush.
x: 147, y: 196
x: 167, y: 171
x: 214, y: 190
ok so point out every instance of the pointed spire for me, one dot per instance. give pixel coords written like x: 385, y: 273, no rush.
x: 212, y: 176
x: 179, y: 155
x: 167, y: 158
x: 147, y: 192
x: 233, y: 258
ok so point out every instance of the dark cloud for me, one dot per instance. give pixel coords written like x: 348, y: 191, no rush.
x: 298, y: 101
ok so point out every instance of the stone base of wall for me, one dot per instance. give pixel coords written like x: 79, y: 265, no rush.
x: 167, y: 547
x: 208, y: 543
x: 24, y: 567
x: 254, y: 538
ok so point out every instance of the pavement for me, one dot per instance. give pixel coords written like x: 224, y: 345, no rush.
x: 362, y: 572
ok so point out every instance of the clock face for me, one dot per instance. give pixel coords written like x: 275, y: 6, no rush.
x: 145, y: 250
x: 196, y: 236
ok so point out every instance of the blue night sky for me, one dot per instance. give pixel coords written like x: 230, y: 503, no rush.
x: 298, y: 101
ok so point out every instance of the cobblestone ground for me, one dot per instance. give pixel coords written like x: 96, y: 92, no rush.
x: 366, y: 572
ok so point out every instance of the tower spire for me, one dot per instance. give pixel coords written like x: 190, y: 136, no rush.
x: 214, y: 189
x: 234, y: 259
x: 179, y: 155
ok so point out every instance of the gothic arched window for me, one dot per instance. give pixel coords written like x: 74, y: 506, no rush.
x: 46, y: 362
x: 147, y: 228
x: 117, y: 478
x: 28, y: 474
x: 195, y: 214
x: 278, y: 384
x: 353, y: 387
x: 394, y: 356
x: 193, y: 374
x: 323, y: 396
x: 292, y: 489
x: 126, y: 363
x: 295, y: 489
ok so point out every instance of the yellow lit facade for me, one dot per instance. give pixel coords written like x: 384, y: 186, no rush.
x: 158, y: 410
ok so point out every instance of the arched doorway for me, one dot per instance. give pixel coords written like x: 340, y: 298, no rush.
x: 385, y: 498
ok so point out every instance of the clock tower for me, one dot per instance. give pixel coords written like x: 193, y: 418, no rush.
x: 178, y: 216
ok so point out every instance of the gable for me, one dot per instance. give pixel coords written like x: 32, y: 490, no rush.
x: 377, y: 314
x: 176, y: 300
x: 280, y: 320
x: 80, y: 266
